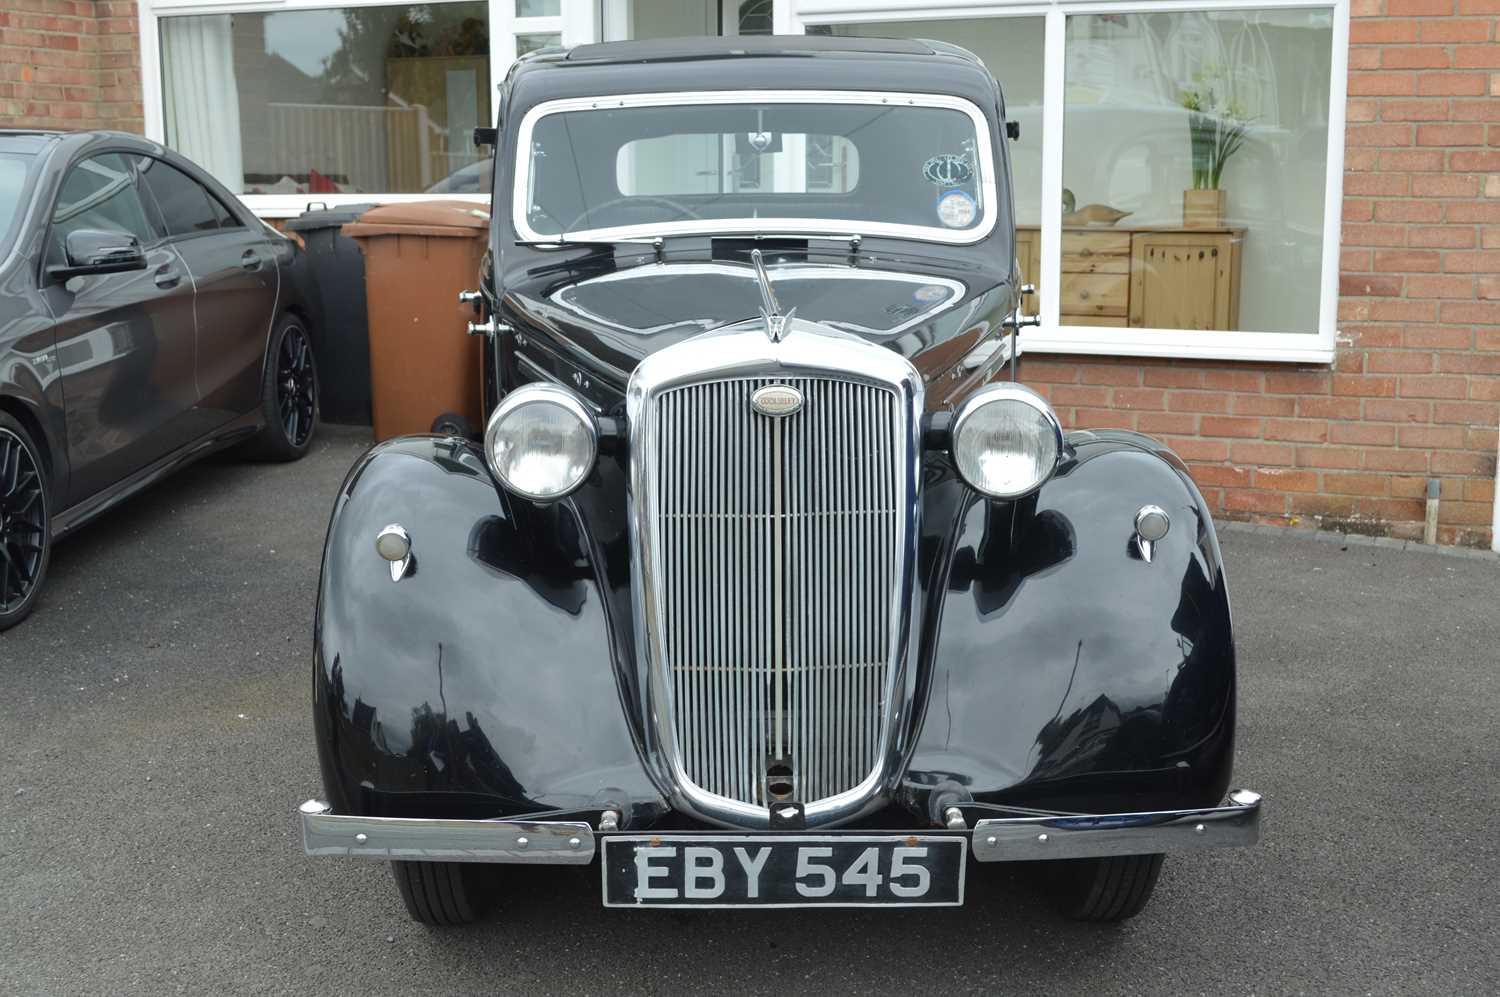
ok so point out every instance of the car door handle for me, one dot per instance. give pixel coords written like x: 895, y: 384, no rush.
x: 168, y: 276
x: 250, y: 260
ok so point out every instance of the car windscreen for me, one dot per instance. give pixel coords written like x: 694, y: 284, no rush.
x: 916, y: 166
x: 15, y: 181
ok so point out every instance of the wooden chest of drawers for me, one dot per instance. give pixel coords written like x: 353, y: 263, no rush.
x: 1143, y: 278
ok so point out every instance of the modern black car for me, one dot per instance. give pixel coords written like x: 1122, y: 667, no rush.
x: 770, y: 582
x: 147, y: 319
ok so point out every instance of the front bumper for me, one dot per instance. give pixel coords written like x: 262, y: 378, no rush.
x: 573, y: 842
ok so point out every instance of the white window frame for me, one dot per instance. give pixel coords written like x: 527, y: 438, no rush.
x: 577, y: 25
x: 1051, y: 336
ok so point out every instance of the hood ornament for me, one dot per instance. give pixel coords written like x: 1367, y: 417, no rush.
x: 777, y: 324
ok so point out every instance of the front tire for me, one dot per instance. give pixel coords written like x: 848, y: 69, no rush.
x: 289, y: 397
x: 25, y: 523
x: 1108, y: 890
x: 453, y: 424
x: 445, y: 894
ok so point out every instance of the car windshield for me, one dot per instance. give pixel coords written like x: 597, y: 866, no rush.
x: 15, y: 169
x: 794, y: 162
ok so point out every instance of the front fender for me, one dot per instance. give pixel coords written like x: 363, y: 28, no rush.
x: 1067, y: 672
x: 481, y: 683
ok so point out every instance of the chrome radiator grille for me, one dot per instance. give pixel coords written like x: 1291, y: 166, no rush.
x: 778, y: 544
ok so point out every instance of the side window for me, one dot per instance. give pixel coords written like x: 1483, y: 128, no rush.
x: 98, y: 193
x: 185, y: 205
x: 226, y: 220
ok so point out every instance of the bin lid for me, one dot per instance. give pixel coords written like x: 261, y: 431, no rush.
x: 440, y: 218
x: 314, y: 219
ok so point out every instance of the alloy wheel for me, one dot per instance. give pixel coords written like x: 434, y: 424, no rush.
x: 296, y: 386
x: 23, y: 522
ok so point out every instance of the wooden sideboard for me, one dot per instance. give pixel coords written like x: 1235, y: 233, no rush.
x: 1150, y: 277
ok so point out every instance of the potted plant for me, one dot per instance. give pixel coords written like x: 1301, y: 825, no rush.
x: 1216, y: 127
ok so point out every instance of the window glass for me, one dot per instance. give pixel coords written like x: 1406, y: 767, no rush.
x: 528, y: 43
x: 1194, y: 168
x: 859, y: 165
x: 15, y: 180
x: 644, y: 19
x: 755, y: 17
x: 185, y: 206
x: 98, y: 193
x: 714, y: 164
x: 538, y: 8
x: 225, y: 218
x: 1012, y: 48
x: 380, y: 99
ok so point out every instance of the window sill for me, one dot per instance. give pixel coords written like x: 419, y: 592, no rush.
x: 1261, y: 347
x: 276, y: 206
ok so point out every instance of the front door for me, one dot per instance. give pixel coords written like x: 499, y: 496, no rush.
x: 125, y: 341
x: 235, y: 274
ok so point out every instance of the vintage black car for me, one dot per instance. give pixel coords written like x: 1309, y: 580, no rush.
x: 147, y: 319
x: 769, y: 583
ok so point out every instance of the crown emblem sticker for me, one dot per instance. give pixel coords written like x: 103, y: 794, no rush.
x: 948, y: 170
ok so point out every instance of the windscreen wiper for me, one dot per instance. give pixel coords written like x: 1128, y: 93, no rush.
x: 563, y: 240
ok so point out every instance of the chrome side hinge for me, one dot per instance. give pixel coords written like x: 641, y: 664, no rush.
x: 489, y: 327
x: 1019, y: 320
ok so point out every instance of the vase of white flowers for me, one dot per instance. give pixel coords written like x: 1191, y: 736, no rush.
x: 1216, y: 130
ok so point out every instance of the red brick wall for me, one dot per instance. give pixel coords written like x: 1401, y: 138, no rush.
x: 1415, y: 391
x: 70, y: 64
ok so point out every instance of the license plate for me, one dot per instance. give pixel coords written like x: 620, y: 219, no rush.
x: 783, y: 870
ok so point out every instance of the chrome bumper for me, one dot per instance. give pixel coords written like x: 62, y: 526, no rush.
x: 1022, y: 839
x: 527, y: 842
x: 1006, y: 839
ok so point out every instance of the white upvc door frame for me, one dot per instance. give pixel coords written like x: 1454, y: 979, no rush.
x: 1051, y: 336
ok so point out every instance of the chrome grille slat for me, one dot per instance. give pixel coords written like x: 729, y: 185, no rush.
x: 778, y: 552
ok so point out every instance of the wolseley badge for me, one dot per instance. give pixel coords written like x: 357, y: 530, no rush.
x: 776, y: 400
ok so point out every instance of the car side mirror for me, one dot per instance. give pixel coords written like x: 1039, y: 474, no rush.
x: 98, y: 251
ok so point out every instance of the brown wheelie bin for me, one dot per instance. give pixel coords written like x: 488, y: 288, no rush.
x: 424, y: 368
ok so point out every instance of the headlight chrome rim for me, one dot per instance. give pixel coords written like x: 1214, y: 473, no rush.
x: 1006, y: 392
x: 531, y: 394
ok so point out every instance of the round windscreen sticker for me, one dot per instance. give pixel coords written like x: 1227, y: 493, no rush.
x: 929, y: 294
x: 956, y: 209
x: 948, y: 170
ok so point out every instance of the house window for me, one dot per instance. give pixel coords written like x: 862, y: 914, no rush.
x: 1177, y: 179
x: 535, y: 42
x: 351, y: 100
x: 1206, y: 133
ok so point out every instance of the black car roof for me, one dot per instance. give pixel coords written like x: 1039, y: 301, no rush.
x: 738, y: 47
x: 757, y: 62
x: 26, y: 139
x: 37, y: 139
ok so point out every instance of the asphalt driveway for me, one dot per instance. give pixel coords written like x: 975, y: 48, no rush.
x: 155, y: 738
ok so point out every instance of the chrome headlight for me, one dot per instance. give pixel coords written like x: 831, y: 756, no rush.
x: 1006, y: 440
x: 541, y: 442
